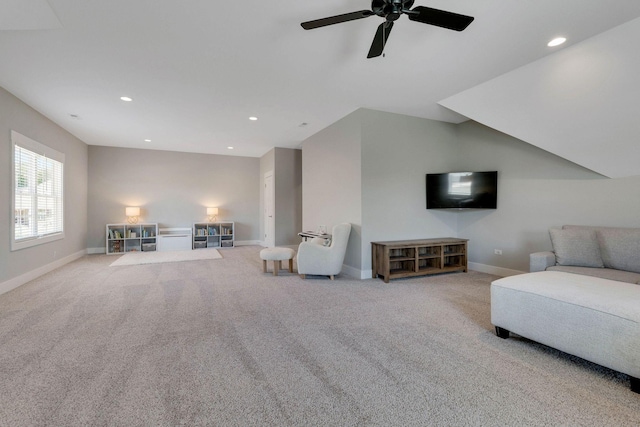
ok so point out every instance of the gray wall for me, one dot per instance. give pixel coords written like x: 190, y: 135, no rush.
x: 369, y: 169
x: 397, y: 152
x: 331, y: 181
x: 16, y: 115
x: 286, y: 166
x: 172, y: 189
x: 373, y: 170
x: 536, y: 190
x: 288, y: 195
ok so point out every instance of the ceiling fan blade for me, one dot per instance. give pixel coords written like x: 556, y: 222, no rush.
x: 440, y: 18
x: 310, y: 25
x: 380, y: 39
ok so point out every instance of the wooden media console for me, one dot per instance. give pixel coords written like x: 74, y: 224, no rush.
x: 407, y: 258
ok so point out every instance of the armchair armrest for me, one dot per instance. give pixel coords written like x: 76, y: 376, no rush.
x: 318, y: 241
x: 540, y: 261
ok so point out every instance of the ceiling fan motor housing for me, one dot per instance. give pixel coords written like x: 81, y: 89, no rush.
x: 390, y: 9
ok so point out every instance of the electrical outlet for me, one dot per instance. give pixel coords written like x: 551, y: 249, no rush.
x: 497, y: 251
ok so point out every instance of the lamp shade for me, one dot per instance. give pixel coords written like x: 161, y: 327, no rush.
x: 212, y: 211
x: 132, y: 211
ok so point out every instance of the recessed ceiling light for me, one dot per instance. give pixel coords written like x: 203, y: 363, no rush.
x: 556, y: 42
x: 229, y: 148
x: 253, y: 118
x: 126, y: 98
x: 147, y: 140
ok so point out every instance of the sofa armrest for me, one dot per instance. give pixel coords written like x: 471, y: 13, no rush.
x: 540, y: 261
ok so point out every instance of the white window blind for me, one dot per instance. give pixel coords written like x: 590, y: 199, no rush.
x: 38, y: 193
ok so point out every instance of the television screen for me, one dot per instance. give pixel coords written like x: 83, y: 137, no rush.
x: 462, y: 190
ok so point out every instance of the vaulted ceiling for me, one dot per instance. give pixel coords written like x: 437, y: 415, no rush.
x: 579, y: 103
x: 197, y: 70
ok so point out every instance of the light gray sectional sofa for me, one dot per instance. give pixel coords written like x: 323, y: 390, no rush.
x: 607, y: 252
x: 583, y: 298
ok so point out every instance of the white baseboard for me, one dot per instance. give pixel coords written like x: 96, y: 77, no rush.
x: 490, y: 269
x: 34, y: 274
x: 366, y: 274
x: 350, y: 271
x: 93, y: 251
x: 356, y: 272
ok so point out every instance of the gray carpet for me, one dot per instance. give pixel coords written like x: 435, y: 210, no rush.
x: 219, y: 343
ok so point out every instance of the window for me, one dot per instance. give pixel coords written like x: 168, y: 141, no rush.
x: 38, y: 203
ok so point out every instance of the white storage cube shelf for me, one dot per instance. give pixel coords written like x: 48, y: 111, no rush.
x: 121, y: 238
x: 213, y: 235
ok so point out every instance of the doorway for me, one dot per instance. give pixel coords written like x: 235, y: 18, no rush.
x: 269, y: 211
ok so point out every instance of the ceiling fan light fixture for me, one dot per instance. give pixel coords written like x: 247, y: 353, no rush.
x: 556, y: 42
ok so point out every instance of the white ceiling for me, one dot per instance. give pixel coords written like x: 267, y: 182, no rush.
x: 197, y: 69
x: 581, y: 103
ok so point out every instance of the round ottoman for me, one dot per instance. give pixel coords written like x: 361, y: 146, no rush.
x: 277, y: 255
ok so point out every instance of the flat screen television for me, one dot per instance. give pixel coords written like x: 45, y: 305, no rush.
x: 462, y: 190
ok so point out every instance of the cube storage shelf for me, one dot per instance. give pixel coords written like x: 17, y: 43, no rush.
x: 407, y: 258
x: 213, y: 235
x: 123, y: 238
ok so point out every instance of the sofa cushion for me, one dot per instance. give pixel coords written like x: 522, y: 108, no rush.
x: 620, y: 248
x: 593, y: 293
x: 576, y: 246
x: 604, y: 273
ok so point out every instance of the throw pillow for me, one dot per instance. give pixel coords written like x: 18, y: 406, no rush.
x: 620, y: 248
x: 576, y: 246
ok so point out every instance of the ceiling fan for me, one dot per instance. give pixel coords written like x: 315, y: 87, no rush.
x: 391, y: 10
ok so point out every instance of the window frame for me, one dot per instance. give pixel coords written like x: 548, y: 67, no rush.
x: 29, y: 144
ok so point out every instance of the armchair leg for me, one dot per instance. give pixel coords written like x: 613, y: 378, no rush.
x: 304, y: 276
x: 331, y: 277
x: 291, y: 265
x: 276, y: 267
